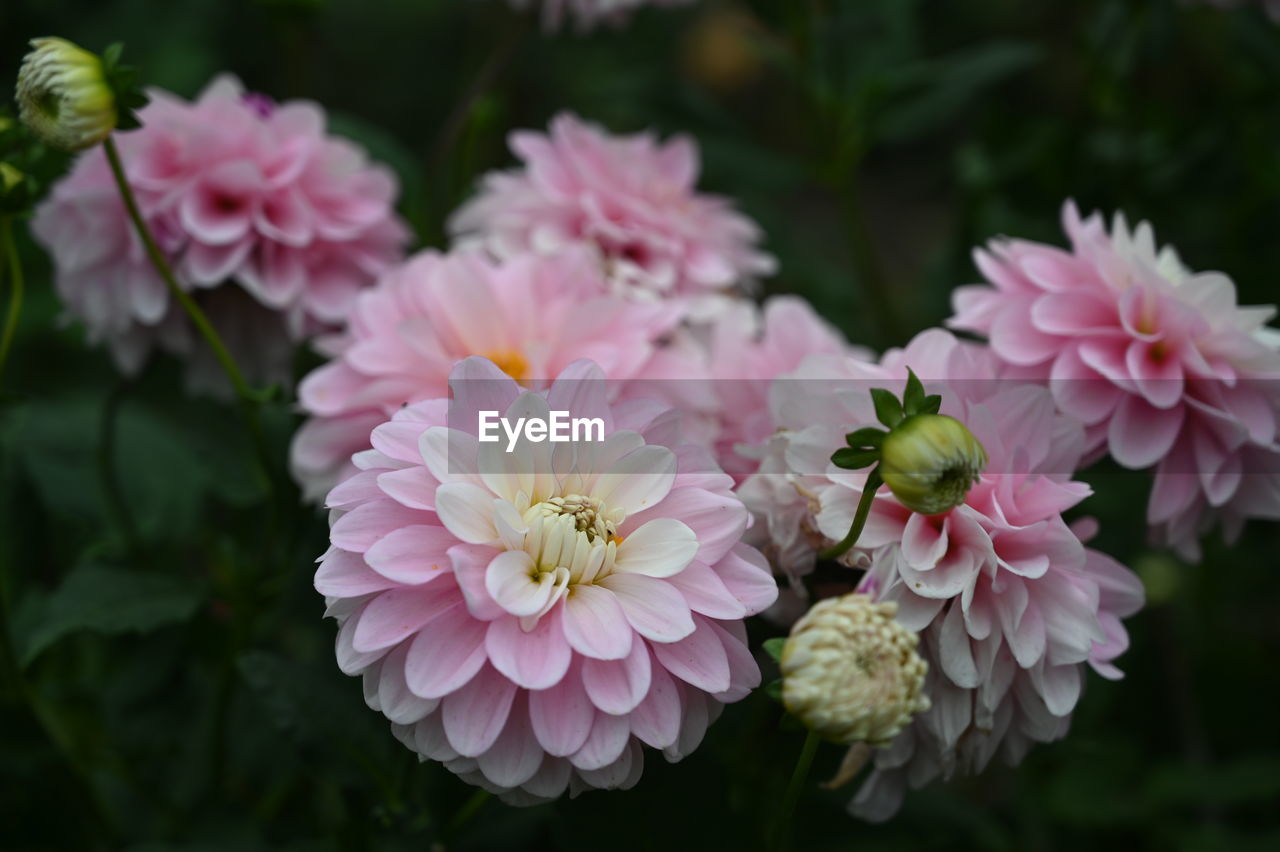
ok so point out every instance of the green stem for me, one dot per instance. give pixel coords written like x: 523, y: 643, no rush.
x: 249, y: 398
x: 468, y: 810
x: 794, y: 788
x: 859, y: 518
x: 10, y: 252
x: 183, y: 298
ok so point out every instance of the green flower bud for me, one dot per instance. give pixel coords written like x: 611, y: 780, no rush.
x: 10, y: 177
x: 929, y: 462
x: 64, y: 95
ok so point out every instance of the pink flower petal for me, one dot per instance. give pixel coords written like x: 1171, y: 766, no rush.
x: 654, y: 608
x: 536, y: 659
x: 595, y: 624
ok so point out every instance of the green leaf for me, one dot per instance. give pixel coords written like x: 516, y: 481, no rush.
x: 773, y: 647
x: 932, y: 403
x: 867, y: 437
x: 851, y: 459
x: 913, y: 398
x: 111, y: 56
x: 888, y: 408
x: 773, y: 689
x: 105, y: 600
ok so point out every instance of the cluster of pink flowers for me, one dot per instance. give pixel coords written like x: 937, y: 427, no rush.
x: 1009, y: 602
x: 533, y: 615
x: 1159, y: 364
x: 237, y: 191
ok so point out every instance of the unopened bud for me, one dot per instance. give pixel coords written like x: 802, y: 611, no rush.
x: 64, y: 96
x: 851, y: 672
x: 930, y: 461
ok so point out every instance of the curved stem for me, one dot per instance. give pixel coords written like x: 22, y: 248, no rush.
x: 10, y: 252
x: 183, y: 298
x: 794, y: 788
x: 249, y: 398
x: 859, y: 518
x: 468, y: 810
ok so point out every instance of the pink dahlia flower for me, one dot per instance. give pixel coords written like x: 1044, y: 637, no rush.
x: 532, y: 618
x: 748, y: 347
x: 236, y: 191
x: 1159, y: 363
x: 1008, y: 600
x: 588, y: 14
x: 631, y: 199
x: 531, y: 315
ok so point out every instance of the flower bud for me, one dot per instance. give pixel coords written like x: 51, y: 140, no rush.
x: 929, y: 462
x: 10, y: 177
x: 64, y: 95
x: 851, y: 672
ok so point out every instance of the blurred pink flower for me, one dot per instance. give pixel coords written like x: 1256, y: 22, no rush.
x: 531, y: 618
x: 531, y: 315
x: 235, y: 189
x: 1159, y: 364
x: 1007, y: 598
x: 748, y: 347
x: 588, y: 14
x: 631, y: 199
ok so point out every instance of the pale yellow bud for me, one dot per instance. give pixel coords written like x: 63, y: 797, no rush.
x: 9, y: 178
x: 851, y: 672
x: 63, y: 95
x: 929, y: 462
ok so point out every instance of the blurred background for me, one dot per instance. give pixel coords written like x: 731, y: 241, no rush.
x: 168, y: 682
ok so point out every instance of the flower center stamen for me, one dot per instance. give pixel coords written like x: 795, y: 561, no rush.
x: 510, y: 361
x: 574, y: 539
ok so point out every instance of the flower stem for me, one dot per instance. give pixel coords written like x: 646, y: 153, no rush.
x: 249, y: 398
x: 794, y: 788
x: 9, y: 252
x: 183, y: 298
x: 859, y: 518
x: 468, y: 810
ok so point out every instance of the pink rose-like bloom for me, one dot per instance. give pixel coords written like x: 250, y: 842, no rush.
x: 748, y: 347
x: 1159, y: 363
x: 588, y: 14
x: 531, y: 618
x: 1009, y: 602
x: 631, y: 199
x: 235, y: 190
x: 531, y: 315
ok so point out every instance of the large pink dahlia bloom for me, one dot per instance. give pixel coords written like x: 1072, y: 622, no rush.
x: 531, y: 618
x: 1159, y: 363
x: 1009, y: 602
x: 235, y: 190
x: 631, y: 199
x: 531, y: 315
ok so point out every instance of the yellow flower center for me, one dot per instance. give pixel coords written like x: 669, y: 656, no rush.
x: 510, y: 361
